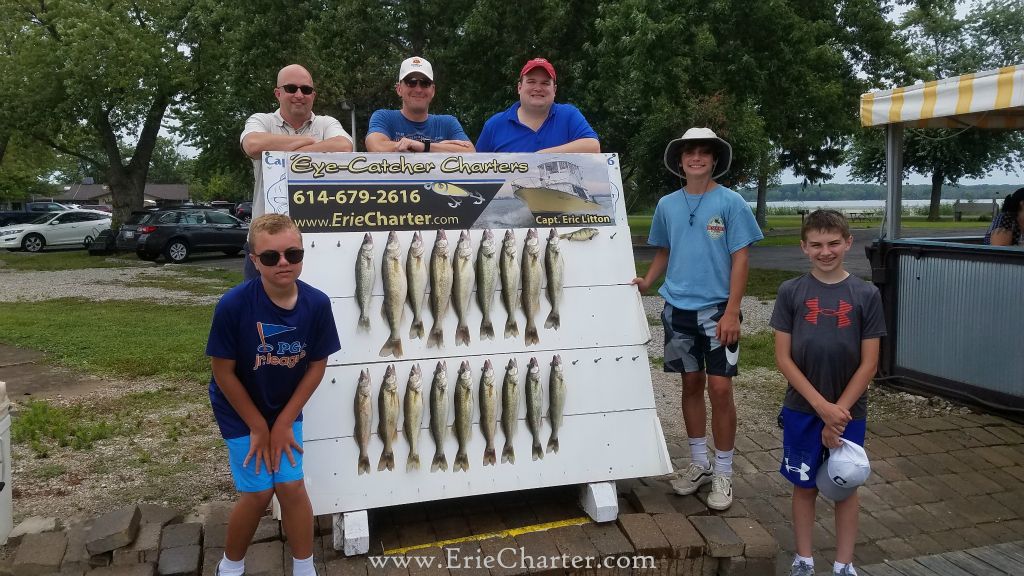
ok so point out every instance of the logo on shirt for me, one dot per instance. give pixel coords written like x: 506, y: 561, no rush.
x: 716, y: 227
x: 277, y: 354
x: 841, y: 314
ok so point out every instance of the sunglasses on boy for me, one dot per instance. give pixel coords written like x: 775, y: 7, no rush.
x: 272, y: 257
x: 293, y: 88
x: 413, y: 82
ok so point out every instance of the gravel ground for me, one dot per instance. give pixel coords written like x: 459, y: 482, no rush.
x: 95, y: 284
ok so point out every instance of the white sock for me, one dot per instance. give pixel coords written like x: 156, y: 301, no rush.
x: 723, y: 462
x: 303, y: 567
x: 837, y: 566
x: 798, y: 559
x: 231, y: 567
x: 699, y: 451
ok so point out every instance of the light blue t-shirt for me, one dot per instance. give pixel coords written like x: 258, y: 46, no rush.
x: 700, y: 256
x: 436, y: 127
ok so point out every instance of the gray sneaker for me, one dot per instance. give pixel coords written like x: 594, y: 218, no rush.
x: 720, y: 497
x: 691, y: 479
x: 846, y: 570
x: 801, y: 569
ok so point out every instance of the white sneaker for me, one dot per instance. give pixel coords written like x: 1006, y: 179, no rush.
x: 691, y: 479
x: 801, y: 569
x: 720, y: 497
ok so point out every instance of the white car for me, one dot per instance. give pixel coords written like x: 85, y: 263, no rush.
x: 69, y: 227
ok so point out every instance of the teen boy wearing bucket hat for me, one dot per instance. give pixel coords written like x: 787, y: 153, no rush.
x: 703, y: 232
x: 827, y: 329
x: 536, y: 123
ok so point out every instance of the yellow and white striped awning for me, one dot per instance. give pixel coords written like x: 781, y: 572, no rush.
x: 991, y: 99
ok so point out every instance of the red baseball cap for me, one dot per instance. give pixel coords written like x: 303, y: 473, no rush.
x: 538, y: 63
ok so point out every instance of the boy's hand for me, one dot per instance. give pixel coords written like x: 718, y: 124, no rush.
x: 830, y: 440
x: 259, y: 447
x: 834, y: 416
x: 642, y: 284
x: 282, y: 441
x: 728, y: 329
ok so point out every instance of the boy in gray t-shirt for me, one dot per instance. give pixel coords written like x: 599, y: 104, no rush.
x: 827, y: 329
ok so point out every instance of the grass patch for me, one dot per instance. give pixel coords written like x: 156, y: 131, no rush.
x: 198, y: 281
x: 125, y: 339
x: 50, y: 471
x: 62, y: 260
x: 657, y: 362
x: 764, y: 283
x: 757, y: 350
x: 41, y: 425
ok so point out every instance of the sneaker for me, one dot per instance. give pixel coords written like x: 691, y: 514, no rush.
x: 801, y: 569
x: 846, y: 570
x: 691, y: 479
x: 720, y: 497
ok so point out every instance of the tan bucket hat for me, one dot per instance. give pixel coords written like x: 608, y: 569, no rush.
x: 723, y: 151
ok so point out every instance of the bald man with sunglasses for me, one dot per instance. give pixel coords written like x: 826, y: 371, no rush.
x: 291, y: 128
x: 413, y: 128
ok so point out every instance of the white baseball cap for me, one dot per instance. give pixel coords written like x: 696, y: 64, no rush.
x: 847, y: 468
x: 415, y: 64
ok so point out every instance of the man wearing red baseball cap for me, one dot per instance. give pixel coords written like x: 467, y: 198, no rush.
x: 536, y: 123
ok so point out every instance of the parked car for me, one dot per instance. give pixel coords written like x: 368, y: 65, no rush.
x: 101, y: 207
x: 128, y: 233
x: 179, y: 233
x: 65, y: 228
x: 29, y: 211
x: 244, y: 211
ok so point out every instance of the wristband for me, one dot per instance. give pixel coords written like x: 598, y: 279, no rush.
x: 426, y: 145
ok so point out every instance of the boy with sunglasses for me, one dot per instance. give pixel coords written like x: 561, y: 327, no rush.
x: 291, y: 128
x: 268, y: 347
x: 413, y: 128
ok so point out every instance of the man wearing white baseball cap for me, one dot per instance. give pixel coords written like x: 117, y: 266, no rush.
x: 413, y: 128
x: 703, y: 232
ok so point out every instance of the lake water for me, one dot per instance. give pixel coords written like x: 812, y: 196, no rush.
x: 841, y: 204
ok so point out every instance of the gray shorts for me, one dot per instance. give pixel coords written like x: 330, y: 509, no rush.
x: 690, y: 343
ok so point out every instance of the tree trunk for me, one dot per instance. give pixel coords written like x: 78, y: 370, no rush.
x: 938, y: 175
x: 762, y: 198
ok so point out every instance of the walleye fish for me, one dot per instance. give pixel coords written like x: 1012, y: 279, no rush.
x: 581, y: 235
x: 440, y: 288
x: 556, y: 401
x: 395, y: 291
x: 531, y: 284
x: 509, y: 410
x: 387, y: 402
x: 510, y: 282
x: 553, y: 266
x: 463, y: 415
x: 364, y: 280
x: 462, y: 286
x: 439, y: 415
x: 364, y: 419
x: 534, y: 406
x: 416, y: 270
x: 413, y: 416
x: 486, y: 282
x: 488, y: 411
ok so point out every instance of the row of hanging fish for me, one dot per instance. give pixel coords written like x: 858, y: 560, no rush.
x: 451, y: 279
x: 490, y: 398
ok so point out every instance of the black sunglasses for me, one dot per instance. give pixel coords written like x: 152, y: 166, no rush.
x: 413, y: 82
x: 292, y: 88
x: 272, y: 257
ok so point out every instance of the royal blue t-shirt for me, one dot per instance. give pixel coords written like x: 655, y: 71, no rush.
x: 503, y: 132
x: 272, y: 348
x: 436, y: 128
x: 700, y: 253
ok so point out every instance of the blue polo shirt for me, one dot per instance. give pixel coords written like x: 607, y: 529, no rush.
x: 503, y: 132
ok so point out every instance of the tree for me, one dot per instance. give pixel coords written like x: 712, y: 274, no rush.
x: 85, y: 75
x: 945, y: 46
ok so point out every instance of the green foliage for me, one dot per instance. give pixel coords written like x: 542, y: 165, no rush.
x: 152, y: 340
x: 40, y: 423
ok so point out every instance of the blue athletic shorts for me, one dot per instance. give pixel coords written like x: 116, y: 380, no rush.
x: 802, y: 450
x: 690, y: 343
x: 246, y: 479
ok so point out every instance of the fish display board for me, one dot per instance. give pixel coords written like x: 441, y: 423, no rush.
x: 491, y: 338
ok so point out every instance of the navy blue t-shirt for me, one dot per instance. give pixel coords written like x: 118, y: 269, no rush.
x: 272, y: 348
x: 436, y: 128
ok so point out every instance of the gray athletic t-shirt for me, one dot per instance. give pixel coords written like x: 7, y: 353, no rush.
x: 827, y: 323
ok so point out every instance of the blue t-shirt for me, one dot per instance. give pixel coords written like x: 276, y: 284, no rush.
x: 700, y: 256
x: 503, y: 132
x: 436, y: 127
x: 271, y: 347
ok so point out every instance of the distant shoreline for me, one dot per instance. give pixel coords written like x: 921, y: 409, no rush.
x: 863, y: 192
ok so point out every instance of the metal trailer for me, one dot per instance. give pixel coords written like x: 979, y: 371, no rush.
x: 953, y: 306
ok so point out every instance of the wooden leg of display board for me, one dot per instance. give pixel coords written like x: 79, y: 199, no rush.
x: 352, y: 533
x: 599, y: 501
